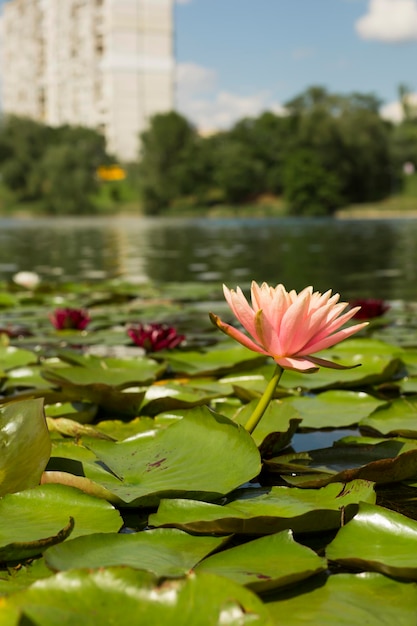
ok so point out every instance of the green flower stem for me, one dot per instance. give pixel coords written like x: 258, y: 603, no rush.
x: 266, y: 398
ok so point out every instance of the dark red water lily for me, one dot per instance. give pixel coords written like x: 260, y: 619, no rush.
x: 369, y: 308
x: 154, y: 337
x: 68, y: 318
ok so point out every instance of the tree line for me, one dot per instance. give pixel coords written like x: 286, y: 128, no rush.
x: 53, y: 166
x: 326, y: 152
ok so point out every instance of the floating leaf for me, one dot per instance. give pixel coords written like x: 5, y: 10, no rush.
x: 379, y: 362
x: 377, y: 539
x: 12, y: 357
x: 201, y: 453
x: 334, y: 409
x: 382, y: 471
x: 42, y: 512
x: 174, y: 395
x: 274, y: 431
x: 396, y: 418
x: 80, y: 412
x: 214, y: 362
x: 18, y: 550
x: 347, y: 600
x: 276, y: 509
x: 101, y: 597
x: 25, y: 443
x: 266, y: 563
x: 164, y: 552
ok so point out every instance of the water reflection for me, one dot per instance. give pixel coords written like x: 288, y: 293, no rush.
x: 359, y: 258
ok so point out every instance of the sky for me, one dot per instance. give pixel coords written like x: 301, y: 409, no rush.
x: 238, y: 58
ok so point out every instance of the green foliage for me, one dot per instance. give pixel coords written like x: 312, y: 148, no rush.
x: 339, y: 145
x: 56, y: 166
x: 309, y: 188
x: 67, y: 170
x: 22, y: 145
x: 237, y: 173
x: 341, y: 148
x: 169, y: 157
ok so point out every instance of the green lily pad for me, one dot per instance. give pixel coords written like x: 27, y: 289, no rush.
x: 70, y: 428
x: 165, y: 552
x: 377, y: 539
x: 201, y: 453
x: 26, y: 445
x: 347, y: 600
x: 100, y: 597
x: 118, y: 430
x: 265, y: 563
x: 381, y: 471
x: 334, y: 409
x: 110, y: 398
x: 396, y: 418
x: 379, y: 362
x: 217, y: 361
x: 277, y: 509
x: 275, y: 429
x: 80, y: 412
x: 12, y: 357
x: 177, y: 395
x: 38, y: 514
x: 113, y: 377
x: 21, y: 576
x: 19, y: 550
x: 26, y: 377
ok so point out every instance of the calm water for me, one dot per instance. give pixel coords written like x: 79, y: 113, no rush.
x: 358, y: 258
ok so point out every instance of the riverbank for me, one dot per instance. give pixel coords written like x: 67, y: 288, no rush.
x: 398, y: 206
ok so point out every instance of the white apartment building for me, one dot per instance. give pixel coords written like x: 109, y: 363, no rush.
x: 106, y: 64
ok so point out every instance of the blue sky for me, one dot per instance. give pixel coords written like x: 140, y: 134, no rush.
x: 237, y: 58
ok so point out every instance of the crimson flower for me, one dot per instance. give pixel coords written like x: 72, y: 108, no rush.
x: 369, y: 308
x: 154, y: 337
x: 68, y: 318
x: 288, y: 326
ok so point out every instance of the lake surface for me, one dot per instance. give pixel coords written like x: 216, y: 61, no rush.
x: 358, y: 258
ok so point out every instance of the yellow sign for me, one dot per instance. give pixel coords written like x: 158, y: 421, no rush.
x: 111, y: 172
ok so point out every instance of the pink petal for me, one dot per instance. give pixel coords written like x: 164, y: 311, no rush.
x: 237, y: 335
x: 241, y: 308
x: 293, y: 330
x: 329, y: 325
x: 303, y: 365
x: 327, y: 342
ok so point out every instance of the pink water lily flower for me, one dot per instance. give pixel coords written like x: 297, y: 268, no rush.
x: 289, y: 326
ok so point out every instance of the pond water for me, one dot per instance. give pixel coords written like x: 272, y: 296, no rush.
x: 358, y: 258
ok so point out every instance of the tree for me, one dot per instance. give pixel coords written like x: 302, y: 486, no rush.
x: 67, y: 170
x: 238, y: 173
x: 22, y: 145
x: 351, y: 138
x: 268, y: 139
x: 309, y: 188
x: 168, y: 150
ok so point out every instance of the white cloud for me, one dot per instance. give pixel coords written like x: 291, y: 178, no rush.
x: 302, y: 53
x: 393, y: 111
x: 194, y: 79
x: 391, y: 21
x: 210, y: 109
